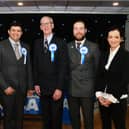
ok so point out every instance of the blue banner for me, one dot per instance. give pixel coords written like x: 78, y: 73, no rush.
x: 33, y: 106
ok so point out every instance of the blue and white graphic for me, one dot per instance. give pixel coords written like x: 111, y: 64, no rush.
x: 66, y: 114
x: 52, y: 49
x: 24, y: 52
x: 83, y: 51
x: 32, y: 105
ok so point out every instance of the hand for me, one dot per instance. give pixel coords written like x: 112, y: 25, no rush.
x: 107, y: 103
x: 37, y: 89
x: 57, y: 94
x: 9, y: 91
x: 30, y: 92
x: 101, y: 100
x: 104, y: 102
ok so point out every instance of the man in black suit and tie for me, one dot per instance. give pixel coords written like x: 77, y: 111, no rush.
x: 50, y: 57
x: 83, y: 60
x: 15, y: 76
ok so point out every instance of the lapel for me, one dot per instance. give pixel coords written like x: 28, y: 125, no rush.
x: 55, y: 41
x: 115, y: 59
x: 74, y: 53
x: 87, y: 45
x: 41, y: 46
x: 10, y: 50
x: 23, y: 46
x: 105, y: 57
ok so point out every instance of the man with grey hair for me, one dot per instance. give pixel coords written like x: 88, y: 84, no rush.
x: 49, y: 71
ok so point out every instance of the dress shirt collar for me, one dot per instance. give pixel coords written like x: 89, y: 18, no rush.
x: 113, y: 52
x: 13, y: 42
x: 111, y: 56
x: 82, y: 42
x: 48, y: 38
x: 13, y: 45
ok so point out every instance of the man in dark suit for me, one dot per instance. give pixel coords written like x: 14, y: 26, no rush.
x: 83, y: 60
x: 15, y: 76
x: 49, y: 72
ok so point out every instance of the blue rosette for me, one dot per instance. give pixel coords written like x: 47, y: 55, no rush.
x: 24, y: 53
x: 83, y: 52
x: 52, y: 49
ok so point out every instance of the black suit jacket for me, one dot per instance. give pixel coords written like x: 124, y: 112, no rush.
x: 116, y: 78
x: 49, y: 75
x: 14, y: 72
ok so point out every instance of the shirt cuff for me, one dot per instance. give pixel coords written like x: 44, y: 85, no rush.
x: 98, y: 93
x: 110, y: 97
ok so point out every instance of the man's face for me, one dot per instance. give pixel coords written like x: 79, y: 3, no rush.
x: 46, y: 25
x: 15, y: 33
x: 79, y: 31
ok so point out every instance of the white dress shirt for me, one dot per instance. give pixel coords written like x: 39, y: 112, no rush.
x: 13, y: 45
x: 49, y: 38
x: 82, y: 42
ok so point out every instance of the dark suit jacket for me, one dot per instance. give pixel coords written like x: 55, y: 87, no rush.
x: 49, y: 75
x: 14, y: 72
x: 116, y: 77
x: 82, y: 76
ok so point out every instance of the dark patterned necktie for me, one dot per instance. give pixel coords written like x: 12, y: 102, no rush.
x: 45, y: 46
x: 78, y: 45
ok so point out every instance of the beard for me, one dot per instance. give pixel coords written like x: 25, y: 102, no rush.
x: 80, y: 38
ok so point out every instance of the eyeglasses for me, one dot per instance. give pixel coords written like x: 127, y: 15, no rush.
x: 45, y: 24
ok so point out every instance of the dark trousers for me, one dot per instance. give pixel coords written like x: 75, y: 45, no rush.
x: 87, y: 107
x: 13, y: 106
x: 52, y: 112
x: 115, y: 112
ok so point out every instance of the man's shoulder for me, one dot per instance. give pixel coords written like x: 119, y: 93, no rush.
x: 70, y: 43
x: 57, y: 38
x: 3, y: 43
x: 38, y: 40
x: 25, y: 45
x: 92, y: 44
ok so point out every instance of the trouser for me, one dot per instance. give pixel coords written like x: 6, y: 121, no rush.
x: 115, y: 112
x: 86, y: 105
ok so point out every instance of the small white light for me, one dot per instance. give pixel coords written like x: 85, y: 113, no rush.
x: 20, y: 4
x: 115, y: 3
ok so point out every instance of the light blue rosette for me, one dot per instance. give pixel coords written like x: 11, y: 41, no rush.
x: 83, y: 51
x: 24, y: 53
x: 52, y: 49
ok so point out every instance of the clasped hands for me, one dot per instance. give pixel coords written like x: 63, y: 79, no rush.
x: 104, y: 101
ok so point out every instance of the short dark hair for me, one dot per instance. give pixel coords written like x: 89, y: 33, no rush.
x: 115, y: 27
x: 82, y: 21
x: 15, y: 23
